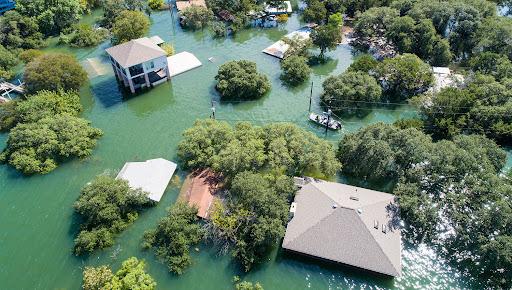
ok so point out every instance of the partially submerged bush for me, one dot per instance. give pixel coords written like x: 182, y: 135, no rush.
x: 241, y: 80
x: 295, y: 70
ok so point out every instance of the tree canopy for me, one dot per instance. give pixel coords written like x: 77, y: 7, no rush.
x: 42, y: 105
x: 52, y: 16
x: 241, y: 80
x: 254, y: 218
x: 351, y: 91
x: 197, y: 17
x: 129, y: 25
x: 404, y: 76
x: 295, y: 70
x: 278, y: 147
x: 19, y: 32
x: 54, y: 72
x: 450, y: 193
x: 38, y: 147
x: 174, y: 236
x: 7, y: 62
x: 106, y: 207
x: 132, y: 275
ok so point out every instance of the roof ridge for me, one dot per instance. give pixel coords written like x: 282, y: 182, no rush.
x: 320, y: 220
x: 373, y: 202
x: 378, y: 244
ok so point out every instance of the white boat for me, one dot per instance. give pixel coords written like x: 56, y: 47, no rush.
x: 324, y: 120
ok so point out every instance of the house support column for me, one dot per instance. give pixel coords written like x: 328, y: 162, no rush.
x: 167, y: 73
x: 132, y: 88
x: 146, y: 77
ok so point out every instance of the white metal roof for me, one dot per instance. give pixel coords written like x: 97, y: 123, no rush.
x: 152, y: 176
x: 182, y: 62
x: 441, y: 70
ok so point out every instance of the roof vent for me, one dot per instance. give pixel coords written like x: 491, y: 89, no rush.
x: 359, y: 211
x: 334, y: 206
x: 376, y: 224
x: 384, y: 229
x: 354, y: 198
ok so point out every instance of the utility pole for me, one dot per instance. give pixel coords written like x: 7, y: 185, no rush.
x: 310, y: 96
x: 212, y: 116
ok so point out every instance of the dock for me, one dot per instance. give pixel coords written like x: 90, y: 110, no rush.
x: 7, y: 88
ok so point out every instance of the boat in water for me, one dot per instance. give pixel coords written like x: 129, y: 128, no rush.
x: 324, y: 120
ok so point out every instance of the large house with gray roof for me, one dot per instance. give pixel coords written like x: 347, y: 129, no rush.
x: 139, y: 63
x: 346, y: 224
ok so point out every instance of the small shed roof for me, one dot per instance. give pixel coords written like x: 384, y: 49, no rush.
x: 441, y: 70
x: 135, y: 52
x: 200, y: 190
x: 152, y: 176
x: 346, y: 224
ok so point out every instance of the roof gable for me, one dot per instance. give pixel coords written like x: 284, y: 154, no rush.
x: 335, y: 222
x: 135, y: 52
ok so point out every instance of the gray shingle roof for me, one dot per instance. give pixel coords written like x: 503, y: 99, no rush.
x: 135, y: 51
x: 336, y: 222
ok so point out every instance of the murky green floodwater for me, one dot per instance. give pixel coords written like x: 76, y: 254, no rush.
x: 36, y: 216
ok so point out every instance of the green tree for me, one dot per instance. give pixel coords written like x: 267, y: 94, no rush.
x: 52, y: 16
x: 168, y: 48
x: 363, y: 63
x: 95, y: 278
x: 495, y: 35
x: 38, y: 147
x: 287, y: 149
x: 156, y: 4
x: 295, y: 70
x: 315, y: 12
x: 326, y: 37
x: 255, y: 217
x: 351, y: 91
x: 111, y: 10
x: 132, y: 275
x: 19, y: 32
x: 246, y: 285
x: 374, y: 21
x: 44, y: 104
x: 54, y: 72
x: 106, y: 207
x: 490, y: 63
x: 174, y: 236
x: 197, y: 17
x: 86, y: 36
x: 29, y: 55
x: 7, y: 62
x: 241, y: 80
x: 129, y: 25
x: 401, y: 32
x: 405, y: 75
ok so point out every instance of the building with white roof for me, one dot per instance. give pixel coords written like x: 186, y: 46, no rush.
x: 151, y: 176
x: 140, y: 62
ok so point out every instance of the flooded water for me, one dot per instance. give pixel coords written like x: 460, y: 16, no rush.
x: 36, y: 216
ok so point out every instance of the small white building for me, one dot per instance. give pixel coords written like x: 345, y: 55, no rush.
x: 139, y: 63
x: 151, y: 176
x: 444, y: 78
